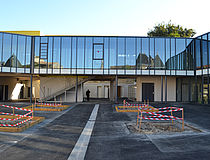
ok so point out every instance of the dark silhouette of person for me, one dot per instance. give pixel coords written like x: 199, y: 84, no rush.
x: 88, y: 94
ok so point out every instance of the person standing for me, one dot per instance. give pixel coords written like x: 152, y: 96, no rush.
x: 88, y: 94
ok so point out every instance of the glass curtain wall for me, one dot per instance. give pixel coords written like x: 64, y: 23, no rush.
x: 15, y: 52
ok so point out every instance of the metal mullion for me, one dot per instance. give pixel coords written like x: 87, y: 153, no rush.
x: 175, y: 66
x: 136, y: 55
x: 60, y: 52
x: 117, y: 56
x: 2, y: 50
x: 52, y: 54
x: 154, y: 57
x: 141, y: 57
x: 40, y: 39
x: 25, y: 54
x: 76, y: 52
x: 11, y: 53
x: 16, y: 54
x: 109, y: 55
x: 47, y: 53
x: 92, y: 53
x: 165, y: 55
x: 149, y: 56
x: 185, y: 57
x: 208, y: 67
x: 125, y: 52
x: 170, y: 58
x: 71, y: 57
x: 84, y: 52
x: 103, y: 55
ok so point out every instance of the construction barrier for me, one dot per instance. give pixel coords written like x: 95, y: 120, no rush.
x: 127, y: 107
x: 17, y: 118
x: 48, y: 106
x: 159, y: 116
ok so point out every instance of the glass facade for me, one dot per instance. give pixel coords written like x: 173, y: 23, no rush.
x: 112, y: 55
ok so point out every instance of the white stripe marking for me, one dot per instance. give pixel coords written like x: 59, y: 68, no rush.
x: 79, y: 150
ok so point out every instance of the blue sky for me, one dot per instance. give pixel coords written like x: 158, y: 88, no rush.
x: 102, y: 17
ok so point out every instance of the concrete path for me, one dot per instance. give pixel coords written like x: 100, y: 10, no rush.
x: 106, y: 137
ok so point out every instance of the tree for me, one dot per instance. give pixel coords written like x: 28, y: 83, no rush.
x: 170, y: 30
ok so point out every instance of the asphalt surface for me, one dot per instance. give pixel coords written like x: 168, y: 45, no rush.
x: 56, y: 137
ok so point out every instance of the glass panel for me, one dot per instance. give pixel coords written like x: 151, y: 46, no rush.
x: 130, y: 53
x: 198, y: 54
x: 209, y: 49
x: 56, y: 53
x: 1, y: 49
x: 204, y: 51
x: 159, y: 53
x: 190, y: 54
x: 173, y: 54
x: 50, y: 53
x: 152, y: 53
x: 97, y: 64
x: 21, y: 52
x: 6, y: 60
x: 28, y: 52
x: 74, y: 57
x: 88, y: 53
x: 80, y: 53
x: 66, y: 52
x: 36, y: 56
x: 98, y: 50
x: 113, y: 54
x: 139, y: 53
x: 106, y: 53
x: 168, y: 53
x: 121, y: 53
x: 145, y: 53
x: 98, y: 39
x: 14, y: 51
x: 181, y: 54
x: 43, y: 52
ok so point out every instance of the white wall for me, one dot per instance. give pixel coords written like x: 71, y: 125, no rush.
x: 171, y: 87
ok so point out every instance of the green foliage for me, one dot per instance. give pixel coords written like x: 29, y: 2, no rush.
x: 170, y: 30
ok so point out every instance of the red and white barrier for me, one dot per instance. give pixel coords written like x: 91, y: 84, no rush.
x: 48, y: 104
x: 18, y: 116
x: 158, y: 116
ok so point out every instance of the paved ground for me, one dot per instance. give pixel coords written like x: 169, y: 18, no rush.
x: 56, y: 137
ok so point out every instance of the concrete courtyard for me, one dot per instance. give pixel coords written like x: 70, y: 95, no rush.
x: 83, y: 132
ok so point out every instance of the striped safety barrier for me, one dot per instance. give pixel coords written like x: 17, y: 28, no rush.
x: 17, y: 115
x: 159, y: 116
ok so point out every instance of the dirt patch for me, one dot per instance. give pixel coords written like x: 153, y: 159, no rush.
x: 158, y: 127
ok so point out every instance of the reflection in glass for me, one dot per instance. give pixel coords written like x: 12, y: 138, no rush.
x: 21, y: 52
x: 7, y: 58
x: 56, y: 52
x: 66, y: 52
x: 130, y: 53
x: 14, y: 51
x: 80, y: 53
x: 159, y: 53
x: 144, y: 57
x: 88, y: 52
x: 113, y: 53
x: 121, y: 53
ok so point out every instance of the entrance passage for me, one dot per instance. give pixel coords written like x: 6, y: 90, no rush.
x: 148, y: 92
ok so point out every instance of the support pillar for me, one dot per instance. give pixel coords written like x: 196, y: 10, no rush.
x: 31, y: 88
x: 165, y: 89
x: 161, y: 89
x: 116, y: 85
x: 76, y: 89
